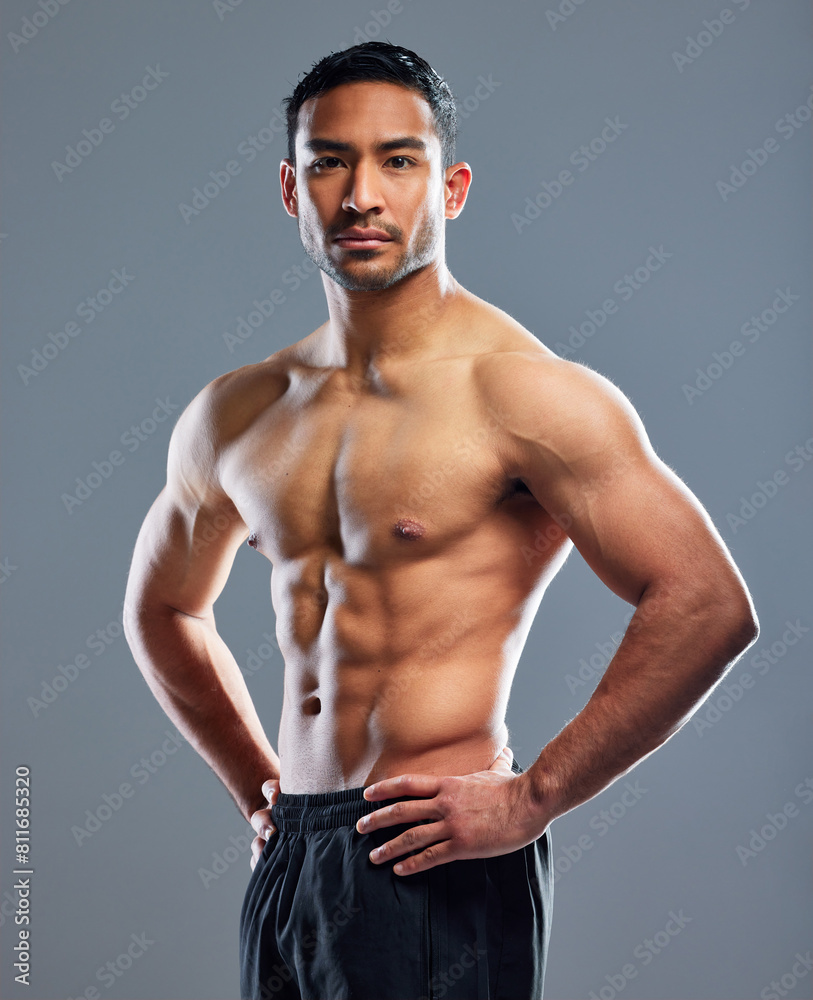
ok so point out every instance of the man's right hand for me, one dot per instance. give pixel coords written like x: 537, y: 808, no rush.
x: 261, y: 820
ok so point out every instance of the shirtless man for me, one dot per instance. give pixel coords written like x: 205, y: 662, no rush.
x: 416, y: 470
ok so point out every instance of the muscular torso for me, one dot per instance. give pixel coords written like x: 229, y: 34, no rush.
x: 407, y: 564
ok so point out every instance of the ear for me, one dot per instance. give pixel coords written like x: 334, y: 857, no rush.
x: 287, y: 180
x: 457, y: 184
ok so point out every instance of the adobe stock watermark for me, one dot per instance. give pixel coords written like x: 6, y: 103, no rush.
x: 224, y: 859
x: 625, y: 288
x: 731, y: 691
x: 796, y: 459
x: 601, y: 824
x: 486, y: 85
x: 545, y: 540
x: 210, y: 529
x: 776, y: 822
x: 708, y: 34
x: 132, y: 439
x: 752, y: 329
x: 109, y: 973
x: 788, y: 981
x: 426, y: 656
x: 33, y: 24
x: 71, y: 670
x: 122, y: 107
x: 141, y: 772
x: 218, y: 180
x: 463, y: 452
x: 245, y: 326
x: 445, y: 979
x: 755, y: 159
x: 646, y: 952
x: 563, y: 13
x: 7, y: 567
x: 213, y: 528
x: 264, y: 653
x: 581, y: 158
x: 225, y: 7
x: 593, y: 670
x: 88, y: 309
x: 281, y: 973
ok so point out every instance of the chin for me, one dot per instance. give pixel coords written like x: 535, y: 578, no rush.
x: 370, y: 281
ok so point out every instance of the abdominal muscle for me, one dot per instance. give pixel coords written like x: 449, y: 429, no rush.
x: 351, y: 741
x: 377, y: 695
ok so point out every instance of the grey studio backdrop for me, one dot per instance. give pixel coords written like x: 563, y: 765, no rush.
x: 675, y: 260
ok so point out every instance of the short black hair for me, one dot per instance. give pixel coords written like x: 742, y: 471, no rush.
x: 378, y: 61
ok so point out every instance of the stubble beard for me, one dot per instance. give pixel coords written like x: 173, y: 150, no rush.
x: 369, y: 279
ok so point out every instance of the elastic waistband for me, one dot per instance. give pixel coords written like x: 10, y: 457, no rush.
x: 301, y: 812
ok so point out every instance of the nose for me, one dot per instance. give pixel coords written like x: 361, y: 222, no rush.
x: 364, y: 193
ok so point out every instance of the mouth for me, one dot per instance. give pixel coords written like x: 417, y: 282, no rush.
x: 362, y: 239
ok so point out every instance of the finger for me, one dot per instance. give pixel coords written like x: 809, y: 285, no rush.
x: 257, y: 846
x: 503, y: 761
x: 411, y: 840
x: 436, y: 854
x: 270, y: 789
x: 411, y: 811
x: 426, y: 785
x: 262, y: 822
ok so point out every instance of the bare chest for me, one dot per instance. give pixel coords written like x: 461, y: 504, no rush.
x: 375, y: 474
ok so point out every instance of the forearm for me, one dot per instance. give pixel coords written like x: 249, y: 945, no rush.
x: 198, y: 683
x: 674, y: 651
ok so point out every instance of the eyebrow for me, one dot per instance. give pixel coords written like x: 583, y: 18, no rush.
x: 402, y: 142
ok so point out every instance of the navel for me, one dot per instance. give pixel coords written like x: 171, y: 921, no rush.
x: 312, y: 705
x: 407, y: 527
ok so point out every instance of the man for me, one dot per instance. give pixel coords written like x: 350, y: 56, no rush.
x: 416, y: 470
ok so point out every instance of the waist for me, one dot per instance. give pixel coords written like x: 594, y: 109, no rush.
x: 302, y: 812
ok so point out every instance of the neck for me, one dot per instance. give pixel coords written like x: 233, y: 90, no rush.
x: 405, y: 321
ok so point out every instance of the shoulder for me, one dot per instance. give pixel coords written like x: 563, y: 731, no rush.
x: 230, y: 402
x: 218, y: 414
x: 562, y: 409
x: 223, y: 404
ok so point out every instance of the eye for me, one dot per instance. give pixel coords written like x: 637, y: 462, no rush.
x: 400, y: 162
x: 327, y: 161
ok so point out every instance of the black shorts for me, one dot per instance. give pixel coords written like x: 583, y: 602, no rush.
x: 320, y: 921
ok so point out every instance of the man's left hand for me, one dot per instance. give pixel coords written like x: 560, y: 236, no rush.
x: 477, y: 815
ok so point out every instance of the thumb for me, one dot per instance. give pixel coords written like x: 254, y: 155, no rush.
x: 503, y: 762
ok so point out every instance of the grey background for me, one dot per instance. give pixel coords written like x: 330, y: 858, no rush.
x: 162, y: 337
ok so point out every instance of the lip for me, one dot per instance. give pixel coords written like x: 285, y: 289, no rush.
x: 360, y: 239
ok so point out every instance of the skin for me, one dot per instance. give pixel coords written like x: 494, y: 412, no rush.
x: 416, y: 471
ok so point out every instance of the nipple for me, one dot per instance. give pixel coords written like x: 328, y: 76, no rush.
x: 406, y: 527
x: 252, y: 539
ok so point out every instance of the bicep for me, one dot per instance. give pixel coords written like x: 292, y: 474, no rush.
x: 184, y: 554
x: 639, y: 524
x: 190, y: 536
x: 631, y: 517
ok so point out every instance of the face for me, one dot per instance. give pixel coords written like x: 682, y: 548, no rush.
x: 369, y: 190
